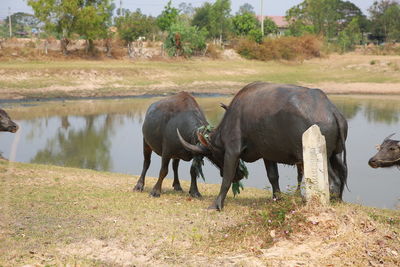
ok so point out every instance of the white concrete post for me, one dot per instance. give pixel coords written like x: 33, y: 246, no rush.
x: 316, y: 177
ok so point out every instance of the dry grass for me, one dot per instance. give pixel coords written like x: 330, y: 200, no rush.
x: 57, y: 216
x: 337, y: 74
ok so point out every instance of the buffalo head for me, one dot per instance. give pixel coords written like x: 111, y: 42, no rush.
x: 6, y: 124
x: 212, y: 152
x: 388, y: 154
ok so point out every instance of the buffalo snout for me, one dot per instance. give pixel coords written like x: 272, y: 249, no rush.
x: 373, y: 163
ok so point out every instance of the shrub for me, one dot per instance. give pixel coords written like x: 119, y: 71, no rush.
x: 287, y: 48
x: 184, y: 40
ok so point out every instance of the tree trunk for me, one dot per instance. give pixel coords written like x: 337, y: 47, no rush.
x: 64, y: 43
x: 108, y: 47
x: 90, y: 47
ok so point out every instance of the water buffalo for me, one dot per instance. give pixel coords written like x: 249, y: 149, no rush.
x: 161, y: 122
x: 6, y: 124
x: 267, y: 121
x: 388, y: 154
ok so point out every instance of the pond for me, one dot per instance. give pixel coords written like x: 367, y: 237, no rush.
x: 106, y: 135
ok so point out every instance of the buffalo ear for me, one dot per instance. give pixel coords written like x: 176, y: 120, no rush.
x: 378, y: 147
x: 202, y: 139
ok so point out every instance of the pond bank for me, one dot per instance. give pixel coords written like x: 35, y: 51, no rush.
x: 56, y: 215
x: 336, y: 74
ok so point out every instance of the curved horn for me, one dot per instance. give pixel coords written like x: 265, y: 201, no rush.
x: 223, y: 106
x: 192, y: 148
x: 387, y: 138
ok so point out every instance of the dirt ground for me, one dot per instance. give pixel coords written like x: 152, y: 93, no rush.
x: 73, y: 217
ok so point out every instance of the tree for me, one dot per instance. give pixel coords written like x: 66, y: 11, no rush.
x: 350, y: 36
x: 246, y: 8
x: 215, y: 18
x: 220, y: 19
x: 133, y: 25
x: 385, y: 22
x: 89, y: 18
x: 202, y: 17
x: 93, y: 21
x: 244, y: 23
x: 185, y: 40
x: 270, y: 27
x: 22, y: 22
x: 168, y: 17
x: 322, y: 17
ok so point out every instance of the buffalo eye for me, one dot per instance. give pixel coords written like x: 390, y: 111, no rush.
x: 392, y: 148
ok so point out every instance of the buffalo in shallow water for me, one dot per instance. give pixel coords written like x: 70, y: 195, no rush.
x: 267, y: 121
x: 161, y: 122
x: 6, y: 124
x: 388, y: 154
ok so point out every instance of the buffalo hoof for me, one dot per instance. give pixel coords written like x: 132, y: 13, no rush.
x: 215, y: 206
x: 195, y: 194
x: 155, y: 194
x: 138, y: 188
x: 177, y: 187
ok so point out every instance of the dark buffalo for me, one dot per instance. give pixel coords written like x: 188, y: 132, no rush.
x: 6, y: 124
x: 267, y: 121
x: 388, y: 154
x: 162, y: 120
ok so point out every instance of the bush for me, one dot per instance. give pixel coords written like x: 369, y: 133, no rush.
x: 214, y: 51
x: 286, y: 48
x: 185, y: 40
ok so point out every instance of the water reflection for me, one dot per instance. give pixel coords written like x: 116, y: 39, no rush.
x: 106, y: 135
x: 87, y: 147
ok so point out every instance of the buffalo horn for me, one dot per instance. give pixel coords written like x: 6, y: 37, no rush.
x: 387, y: 138
x: 192, y: 148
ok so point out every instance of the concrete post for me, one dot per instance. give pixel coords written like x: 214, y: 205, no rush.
x: 316, y: 177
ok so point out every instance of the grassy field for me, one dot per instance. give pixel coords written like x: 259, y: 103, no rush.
x: 336, y: 74
x: 59, y: 216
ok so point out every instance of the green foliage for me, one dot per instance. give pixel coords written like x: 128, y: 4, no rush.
x: 256, y: 35
x: 57, y: 16
x: 236, y: 186
x: 244, y: 23
x: 246, y: 8
x: 350, y: 36
x: 168, y: 17
x: 93, y: 20
x: 270, y: 27
x: 282, y: 215
x: 198, y: 164
x: 133, y: 25
x: 215, y: 18
x: 385, y: 22
x: 322, y: 17
x: 89, y: 19
x: 21, y: 22
x: 192, y: 40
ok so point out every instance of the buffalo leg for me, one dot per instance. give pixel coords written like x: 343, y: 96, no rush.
x: 146, y: 163
x: 156, y: 192
x: 176, y: 184
x: 337, y: 176
x: 300, y: 173
x: 194, y: 191
x: 273, y: 176
x: 231, y: 161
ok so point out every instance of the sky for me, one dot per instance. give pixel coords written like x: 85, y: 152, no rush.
x: 154, y: 7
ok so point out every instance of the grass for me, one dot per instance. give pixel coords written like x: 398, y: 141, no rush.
x: 121, y: 77
x: 58, y: 216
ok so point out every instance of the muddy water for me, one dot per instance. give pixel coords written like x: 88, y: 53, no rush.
x: 106, y: 135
